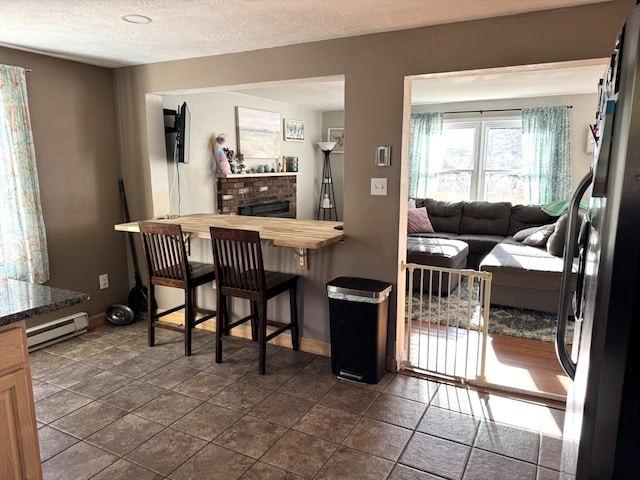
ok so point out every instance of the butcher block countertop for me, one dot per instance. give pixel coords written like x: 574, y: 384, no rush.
x: 279, y: 232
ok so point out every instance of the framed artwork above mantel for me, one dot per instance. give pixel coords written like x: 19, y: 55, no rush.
x: 258, y: 133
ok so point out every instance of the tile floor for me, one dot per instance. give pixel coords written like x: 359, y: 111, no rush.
x: 109, y: 407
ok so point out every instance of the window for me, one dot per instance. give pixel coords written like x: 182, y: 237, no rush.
x: 478, y: 159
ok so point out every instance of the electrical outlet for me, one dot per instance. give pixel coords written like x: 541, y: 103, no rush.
x: 104, y: 281
x: 378, y: 186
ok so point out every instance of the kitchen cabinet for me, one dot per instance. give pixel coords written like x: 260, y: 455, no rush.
x: 19, y: 449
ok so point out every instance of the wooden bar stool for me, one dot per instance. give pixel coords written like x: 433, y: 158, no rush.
x: 240, y: 273
x: 167, y: 265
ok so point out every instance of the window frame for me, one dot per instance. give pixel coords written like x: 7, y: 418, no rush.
x: 482, y: 126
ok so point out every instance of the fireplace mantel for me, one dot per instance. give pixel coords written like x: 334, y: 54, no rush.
x: 251, y: 175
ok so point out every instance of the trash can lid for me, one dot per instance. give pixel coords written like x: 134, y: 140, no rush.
x: 358, y: 287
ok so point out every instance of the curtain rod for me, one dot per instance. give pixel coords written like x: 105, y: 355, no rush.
x: 493, y: 110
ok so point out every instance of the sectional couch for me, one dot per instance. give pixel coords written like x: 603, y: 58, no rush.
x: 520, y: 245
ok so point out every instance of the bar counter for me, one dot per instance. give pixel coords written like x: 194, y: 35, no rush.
x: 301, y: 235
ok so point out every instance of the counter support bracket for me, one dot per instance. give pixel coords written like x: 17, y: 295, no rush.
x: 302, y: 259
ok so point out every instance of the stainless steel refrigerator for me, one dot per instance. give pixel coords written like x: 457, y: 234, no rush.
x: 602, y: 420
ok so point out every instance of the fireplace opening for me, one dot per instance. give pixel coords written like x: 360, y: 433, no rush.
x: 269, y: 209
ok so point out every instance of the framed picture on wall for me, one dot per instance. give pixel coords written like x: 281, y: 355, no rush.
x: 258, y: 133
x: 293, y: 130
x: 335, y: 134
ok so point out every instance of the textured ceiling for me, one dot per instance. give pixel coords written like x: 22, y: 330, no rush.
x: 92, y: 31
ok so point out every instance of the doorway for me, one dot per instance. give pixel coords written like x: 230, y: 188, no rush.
x: 510, y: 363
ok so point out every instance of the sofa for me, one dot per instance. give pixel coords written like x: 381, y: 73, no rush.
x: 521, y: 245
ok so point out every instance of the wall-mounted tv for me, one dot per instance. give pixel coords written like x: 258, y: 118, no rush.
x: 178, y: 134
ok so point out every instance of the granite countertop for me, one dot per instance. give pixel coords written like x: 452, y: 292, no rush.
x: 20, y: 300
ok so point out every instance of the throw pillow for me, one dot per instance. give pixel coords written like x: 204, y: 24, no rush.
x: 525, y: 232
x: 539, y: 238
x: 555, y: 245
x: 412, y: 203
x: 418, y: 221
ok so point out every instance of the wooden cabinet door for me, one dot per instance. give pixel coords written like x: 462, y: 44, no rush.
x: 19, y: 451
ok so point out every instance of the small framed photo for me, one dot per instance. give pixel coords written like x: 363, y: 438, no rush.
x: 336, y: 135
x: 293, y: 130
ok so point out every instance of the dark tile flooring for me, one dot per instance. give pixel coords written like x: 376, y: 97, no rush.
x: 109, y: 407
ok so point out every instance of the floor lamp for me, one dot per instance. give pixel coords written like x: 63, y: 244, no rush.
x: 327, y: 201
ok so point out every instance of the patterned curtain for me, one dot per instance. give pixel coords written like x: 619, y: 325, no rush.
x: 23, y: 243
x: 425, y: 127
x: 547, y: 154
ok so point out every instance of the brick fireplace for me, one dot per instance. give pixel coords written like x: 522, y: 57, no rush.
x: 235, y: 191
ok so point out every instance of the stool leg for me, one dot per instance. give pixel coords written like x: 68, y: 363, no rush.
x: 293, y: 304
x: 151, y: 338
x: 189, y: 301
x: 262, y: 338
x: 254, y: 321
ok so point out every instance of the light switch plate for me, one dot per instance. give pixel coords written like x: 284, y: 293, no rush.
x: 378, y: 186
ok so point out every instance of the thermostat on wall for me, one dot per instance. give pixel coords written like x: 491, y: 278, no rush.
x: 383, y: 156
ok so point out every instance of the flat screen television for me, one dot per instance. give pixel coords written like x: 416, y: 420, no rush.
x: 178, y: 134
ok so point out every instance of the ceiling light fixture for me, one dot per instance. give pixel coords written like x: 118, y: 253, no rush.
x: 134, y: 18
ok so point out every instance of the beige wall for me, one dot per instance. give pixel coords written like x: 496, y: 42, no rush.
x: 75, y: 130
x: 375, y: 67
x: 72, y: 108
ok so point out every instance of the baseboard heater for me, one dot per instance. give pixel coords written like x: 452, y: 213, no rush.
x: 55, y: 331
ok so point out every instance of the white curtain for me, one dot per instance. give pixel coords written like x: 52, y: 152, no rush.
x: 546, y: 148
x: 425, y: 128
x: 23, y: 243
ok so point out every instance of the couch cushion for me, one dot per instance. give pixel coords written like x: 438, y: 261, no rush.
x: 434, y: 235
x: 525, y: 216
x: 444, y: 216
x: 485, y: 218
x: 480, y: 244
x: 437, y: 252
x: 521, y: 258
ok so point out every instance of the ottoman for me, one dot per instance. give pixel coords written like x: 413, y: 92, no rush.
x: 437, y: 252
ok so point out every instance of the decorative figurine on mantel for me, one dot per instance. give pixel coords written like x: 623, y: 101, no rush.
x: 230, y: 154
x: 222, y: 162
x: 240, y: 167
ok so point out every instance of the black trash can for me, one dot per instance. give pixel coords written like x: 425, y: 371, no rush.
x: 359, y: 313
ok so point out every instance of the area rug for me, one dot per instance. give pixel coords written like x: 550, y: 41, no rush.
x: 453, y: 310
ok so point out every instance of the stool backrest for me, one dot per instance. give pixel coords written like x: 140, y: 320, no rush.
x: 165, y: 254
x: 237, y: 257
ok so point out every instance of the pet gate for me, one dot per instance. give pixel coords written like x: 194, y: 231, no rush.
x: 447, y: 321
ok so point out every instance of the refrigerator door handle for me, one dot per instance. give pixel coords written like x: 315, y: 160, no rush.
x: 568, y: 365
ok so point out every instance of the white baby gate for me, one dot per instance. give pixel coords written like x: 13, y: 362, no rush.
x: 447, y: 321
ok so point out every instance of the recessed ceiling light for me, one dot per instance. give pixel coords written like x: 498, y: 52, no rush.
x: 133, y: 18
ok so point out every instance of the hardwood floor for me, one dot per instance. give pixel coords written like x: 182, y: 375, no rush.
x: 513, y: 363
x: 525, y: 364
